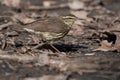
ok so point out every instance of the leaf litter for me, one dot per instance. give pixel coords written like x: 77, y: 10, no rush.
x: 95, y: 31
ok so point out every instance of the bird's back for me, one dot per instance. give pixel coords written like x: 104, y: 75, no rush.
x: 48, y: 25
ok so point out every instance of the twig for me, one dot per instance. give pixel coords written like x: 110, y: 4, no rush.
x: 5, y: 25
x: 46, y: 8
x: 3, y: 44
x: 20, y: 58
x: 10, y: 66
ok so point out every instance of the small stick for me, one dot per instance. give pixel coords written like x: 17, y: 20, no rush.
x: 47, y: 8
x: 5, y: 25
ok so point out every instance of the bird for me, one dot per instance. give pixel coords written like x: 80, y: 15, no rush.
x: 51, y: 29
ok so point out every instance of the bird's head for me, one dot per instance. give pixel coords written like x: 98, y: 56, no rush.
x: 69, y: 20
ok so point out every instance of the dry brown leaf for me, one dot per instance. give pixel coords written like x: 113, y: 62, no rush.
x: 16, y: 4
x: 105, y: 46
x: 48, y: 3
x: 80, y: 14
x: 76, y: 30
x: 76, y: 4
x: 12, y: 33
x: 5, y: 25
x: 12, y: 3
x: 23, y: 18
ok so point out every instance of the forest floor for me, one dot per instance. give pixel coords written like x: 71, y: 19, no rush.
x: 91, y: 49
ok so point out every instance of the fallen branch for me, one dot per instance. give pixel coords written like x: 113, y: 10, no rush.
x: 47, y: 8
x: 20, y: 58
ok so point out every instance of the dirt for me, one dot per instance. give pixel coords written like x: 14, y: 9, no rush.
x: 81, y: 55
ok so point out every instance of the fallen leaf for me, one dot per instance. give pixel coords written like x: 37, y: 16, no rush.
x: 23, y: 18
x: 80, y: 14
x: 12, y: 33
x: 105, y: 46
x: 48, y: 3
x: 16, y: 4
x: 5, y: 25
x: 76, y: 30
x: 76, y: 4
x: 12, y: 3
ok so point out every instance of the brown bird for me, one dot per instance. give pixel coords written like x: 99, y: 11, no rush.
x: 51, y: 29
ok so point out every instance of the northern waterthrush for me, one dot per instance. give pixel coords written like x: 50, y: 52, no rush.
x: 51, y: 29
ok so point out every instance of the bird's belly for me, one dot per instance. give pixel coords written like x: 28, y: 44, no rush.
x: 52, y: 36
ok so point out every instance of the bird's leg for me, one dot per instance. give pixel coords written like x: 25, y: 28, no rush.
x: 55, y: 48
x: 37, y: 40
x: 59, y: 54
x: 39, y: 45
